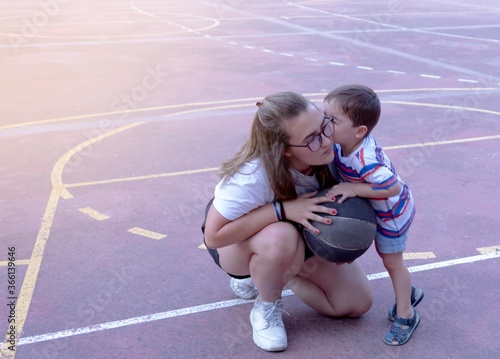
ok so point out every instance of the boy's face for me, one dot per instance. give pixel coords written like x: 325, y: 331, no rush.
x: 345, y: 132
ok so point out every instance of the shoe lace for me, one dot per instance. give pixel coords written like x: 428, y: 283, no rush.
x: 245, y: 287
x: 273, y: 314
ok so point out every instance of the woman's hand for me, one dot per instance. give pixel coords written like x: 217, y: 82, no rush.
x: 305, y: 208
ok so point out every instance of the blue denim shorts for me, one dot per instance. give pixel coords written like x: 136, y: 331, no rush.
x: 391, y: 245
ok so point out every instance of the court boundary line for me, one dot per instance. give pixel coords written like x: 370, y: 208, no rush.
x: 226, y: 304
x: 217, y: 102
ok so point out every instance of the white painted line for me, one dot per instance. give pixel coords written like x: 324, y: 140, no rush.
x: 336, y: 63
x: 436, y: 265
x: 396, y: 72
x: 311, y: 59
x: 266, y: 50
x: 471, y: 81
x: 364, y: 68
x: 430, y: 76
x: 248, y: 47
x: 287, y: 54
x: 132, y: 321
x: 225, y: 304
x: 233, y: 43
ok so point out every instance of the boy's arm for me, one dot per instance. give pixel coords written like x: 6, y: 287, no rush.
x: 365, y: 190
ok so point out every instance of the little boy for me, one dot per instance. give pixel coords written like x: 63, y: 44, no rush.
x: 367, y: 172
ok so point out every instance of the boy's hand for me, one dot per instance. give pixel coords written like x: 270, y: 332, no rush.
x: 345, y: 190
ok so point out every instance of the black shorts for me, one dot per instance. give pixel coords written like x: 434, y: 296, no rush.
x: 215, y: 254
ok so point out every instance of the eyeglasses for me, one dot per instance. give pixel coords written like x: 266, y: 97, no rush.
x: 317, y: 140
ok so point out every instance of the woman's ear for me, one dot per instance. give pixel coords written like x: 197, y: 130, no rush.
x: 361, y: 131
x: 287, y: 153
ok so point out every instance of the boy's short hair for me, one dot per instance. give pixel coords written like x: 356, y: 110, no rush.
x: 360, y: 103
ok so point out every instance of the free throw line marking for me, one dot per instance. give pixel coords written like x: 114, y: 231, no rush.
x: 147, y: 233
x: 419, y: 255
x: 225, y: 304
x: 486, y: 250
x: 92, y: 213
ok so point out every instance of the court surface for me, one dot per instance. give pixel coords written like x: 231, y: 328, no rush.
x: 116, y: 114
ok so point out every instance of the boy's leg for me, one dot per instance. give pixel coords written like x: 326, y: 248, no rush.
x: 401, y: 282
x: 407, y: 318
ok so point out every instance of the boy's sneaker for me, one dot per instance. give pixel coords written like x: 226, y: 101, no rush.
x: 268, y: 328
x: 244, y: 288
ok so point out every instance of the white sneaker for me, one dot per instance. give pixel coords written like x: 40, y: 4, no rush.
x: 268, y: 328
x: 244, y: 288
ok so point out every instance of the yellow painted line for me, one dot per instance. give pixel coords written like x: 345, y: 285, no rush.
x: 140, y: 178
x: 211, y: 108
x: 31, y: 277
x: 419, y: 255
x: 486, y: 250
x: 92, y: 213
x: 214, y: 23
x: 147, y: 233
x: 18, y: 262
x: 124, y: 112
x: 194, y: 104
x: 91, y: 37
x: 414, y: 145
x: 212, y: 169
x: 56, y: 175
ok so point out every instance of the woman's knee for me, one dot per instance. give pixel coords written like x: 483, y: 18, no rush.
x: 362, y: 305
x: 279, y: 240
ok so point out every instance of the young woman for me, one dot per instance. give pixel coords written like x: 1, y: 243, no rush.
x: 266, y: 194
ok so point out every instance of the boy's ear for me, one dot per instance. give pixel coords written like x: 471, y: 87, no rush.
x: 361, y: 131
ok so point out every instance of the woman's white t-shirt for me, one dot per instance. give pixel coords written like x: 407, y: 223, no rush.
x: 249, y: 188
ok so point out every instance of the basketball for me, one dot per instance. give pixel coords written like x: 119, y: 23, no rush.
x: 350, y: 234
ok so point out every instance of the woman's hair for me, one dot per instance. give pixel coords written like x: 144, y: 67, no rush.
x: 360, y: 103
x: 268, y: 141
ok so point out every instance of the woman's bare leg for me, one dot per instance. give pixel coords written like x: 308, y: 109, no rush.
x: 272, y: 256
x: 332, y: 289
